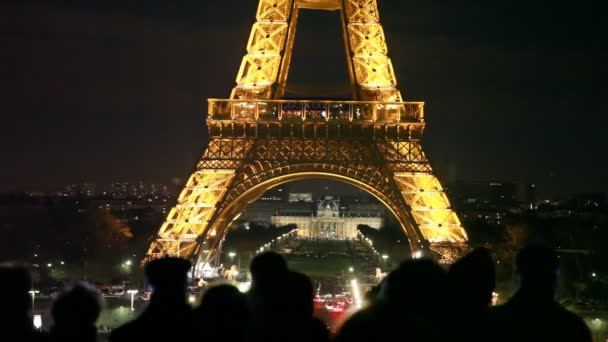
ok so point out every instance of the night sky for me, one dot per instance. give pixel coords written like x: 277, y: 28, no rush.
x: 107, y: 90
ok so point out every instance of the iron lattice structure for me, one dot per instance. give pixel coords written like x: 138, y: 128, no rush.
x: 258, y: 141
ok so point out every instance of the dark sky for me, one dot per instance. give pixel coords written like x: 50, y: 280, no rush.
x: 106, y: 90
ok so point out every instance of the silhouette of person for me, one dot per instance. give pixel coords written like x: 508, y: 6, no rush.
x: 168, y: 317
x: 472, y: 280
x: 532, y: 314
x: 265, y: 267
x: 15, y: 304
x: 75, y: 312
x: 268, y: 271
x: 299, y: 313
x: 408, y: 307
x: 223, y: 314
x: 289, y: 315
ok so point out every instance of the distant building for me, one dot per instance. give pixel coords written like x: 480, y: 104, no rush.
x: 300, y: 197
x: 329, y: 222
x: 120, y: 190
x: 276, y: 194
x: 80, y: 190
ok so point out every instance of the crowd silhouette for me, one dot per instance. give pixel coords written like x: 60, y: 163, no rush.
x: 418, y: 301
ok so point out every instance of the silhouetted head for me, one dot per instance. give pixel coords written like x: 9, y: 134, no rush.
x: 168, y: 276
x: 225, y: 299
x: 15, y: 285
x: 417, y: 284
x: 77, y: 307
x: 266, y: 266
x: 300, y: 293
x: 473, y: 278
x: 537, y: 267
x: 370, y: 296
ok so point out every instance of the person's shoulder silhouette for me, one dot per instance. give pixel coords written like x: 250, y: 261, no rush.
x: 532, y: 314
x: 168, y: 315
x: 15, y: 304
x: 75, y: 312
x: 405, y: 308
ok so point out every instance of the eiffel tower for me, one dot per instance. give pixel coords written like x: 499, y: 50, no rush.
x: 259, y: 140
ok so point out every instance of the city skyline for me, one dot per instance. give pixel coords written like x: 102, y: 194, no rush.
x: 121, y: 90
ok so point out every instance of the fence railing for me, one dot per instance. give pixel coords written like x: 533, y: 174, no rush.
x: 315, y: 111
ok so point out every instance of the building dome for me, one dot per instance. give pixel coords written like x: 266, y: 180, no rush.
x: 328, y: 204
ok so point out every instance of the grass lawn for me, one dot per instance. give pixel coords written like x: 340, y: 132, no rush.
x: 332, y: 265
x: 325, y: 258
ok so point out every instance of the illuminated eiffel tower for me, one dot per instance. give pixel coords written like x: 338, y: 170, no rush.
x: 258, y: 140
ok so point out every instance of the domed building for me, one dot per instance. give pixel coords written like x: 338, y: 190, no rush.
x: 328, y: 222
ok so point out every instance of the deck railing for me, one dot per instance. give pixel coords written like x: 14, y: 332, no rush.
x: 315, y: 111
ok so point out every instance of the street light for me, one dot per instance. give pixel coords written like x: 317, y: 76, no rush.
x: 33, y: 293
x: 350, y: 269
x: 132, y: 293
x: 38, y: 322
x: 128, y: 263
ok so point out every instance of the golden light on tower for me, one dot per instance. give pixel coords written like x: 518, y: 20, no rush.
x: 258, y: 140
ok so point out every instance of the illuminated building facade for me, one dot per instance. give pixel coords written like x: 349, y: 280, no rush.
x: 328, y: 222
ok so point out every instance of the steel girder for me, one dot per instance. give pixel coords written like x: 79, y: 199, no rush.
x: 264, y: 69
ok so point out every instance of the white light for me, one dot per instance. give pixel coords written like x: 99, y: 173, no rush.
x: 38, y: 321
x: 384, y: 256
x: 350, y: 269
x: 132, y: 291
x: 49, y: 265
x: 128, y: 262
x: 62, y: 262
x: 244, y: 286
x: 593, y: 274
x: 417, y: 255
x: 191, y: 299
x: 356, y: 292
x: 231, y: 254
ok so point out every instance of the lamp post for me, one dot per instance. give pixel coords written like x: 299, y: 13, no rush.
x: 231, y: 255
x: 385, y: 258
x: 132, y: 293
x: 33, y: 293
